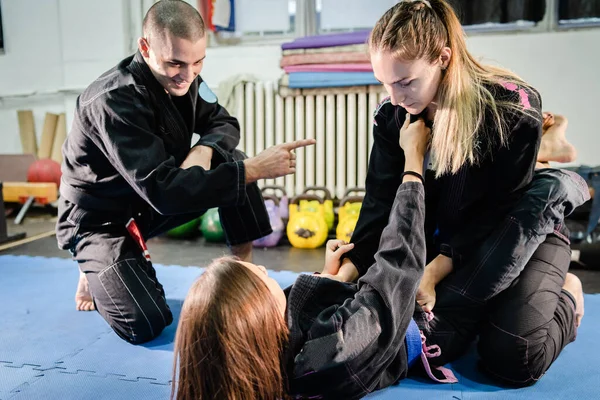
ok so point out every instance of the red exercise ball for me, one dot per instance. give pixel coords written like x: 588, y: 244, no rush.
x: 44, y: 170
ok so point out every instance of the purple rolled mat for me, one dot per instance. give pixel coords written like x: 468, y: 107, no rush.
x: 328, y: 40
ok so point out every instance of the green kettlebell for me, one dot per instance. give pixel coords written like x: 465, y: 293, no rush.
x: 211, y: 226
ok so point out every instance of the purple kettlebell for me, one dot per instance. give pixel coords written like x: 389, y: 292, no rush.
x: 284, y: 211
x: 284, y: 208
x: 271, y: 240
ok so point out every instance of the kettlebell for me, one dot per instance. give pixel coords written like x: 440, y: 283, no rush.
x: 307, y: 228
x: 273, y: 209
x: 327, y: 204
x: 348, y: 214
x: 284, y: 212
x: 349, y: 191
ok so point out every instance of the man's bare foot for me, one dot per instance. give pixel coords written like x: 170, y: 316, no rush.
x: 548, y: 120
x: 83, y: 298
x: 573, y: 286
x: 243, y: 251
x: 557, y: 150
x: 554, y: 145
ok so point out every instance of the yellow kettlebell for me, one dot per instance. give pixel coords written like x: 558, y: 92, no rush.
x: 327, y: 204
x: 307, y: 228
x: 348, y: 214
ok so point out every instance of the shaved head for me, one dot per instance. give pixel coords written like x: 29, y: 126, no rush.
x: 176, y: 17
x: 174, y: 44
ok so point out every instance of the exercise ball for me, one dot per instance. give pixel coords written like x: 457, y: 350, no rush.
x: 186, y: 230
x: 211, y: 226
x: 44, y: 170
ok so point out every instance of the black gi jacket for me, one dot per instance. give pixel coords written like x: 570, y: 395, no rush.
x: 462, y: 208
x: 347, y: 340
x: 129, y: 137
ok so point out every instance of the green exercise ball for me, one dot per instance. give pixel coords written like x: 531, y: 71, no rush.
x: 186, y: 230
x: 211, y: 226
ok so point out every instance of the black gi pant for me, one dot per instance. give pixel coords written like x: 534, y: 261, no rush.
x: 523, y: 317
x: 122, y: 282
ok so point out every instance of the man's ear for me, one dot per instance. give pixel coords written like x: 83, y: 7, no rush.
x: 144, y: 47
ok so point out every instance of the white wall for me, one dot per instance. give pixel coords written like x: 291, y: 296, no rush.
x: 32, y: 61
x: 76, y: 40
x: 53, y: 49
x: 564, y: 67
x: 223, y: 63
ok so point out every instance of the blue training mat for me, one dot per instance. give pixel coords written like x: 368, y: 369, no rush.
x: 50, y: 351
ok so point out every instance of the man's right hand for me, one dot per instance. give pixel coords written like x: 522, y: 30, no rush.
x: 275, y: 161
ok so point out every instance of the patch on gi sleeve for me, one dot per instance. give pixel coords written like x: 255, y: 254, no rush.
x: 206, y: 94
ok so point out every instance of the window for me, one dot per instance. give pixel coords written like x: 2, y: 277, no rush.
x: 488, y: 15
x: 356, y: 15
x: 578, y: 12
x: 285, y: 19
x: 265, y: 17
x: 255, y: 18
x: 499, y: 14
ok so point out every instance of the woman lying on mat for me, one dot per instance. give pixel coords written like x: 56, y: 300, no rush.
x: 240, y: 336
x: 497, y: 250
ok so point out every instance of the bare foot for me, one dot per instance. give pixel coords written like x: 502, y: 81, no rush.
x: 548, y: 120
x: 83, y: 298
x: 554, y: 145
x: 560, y: 151
x: 573, y: 286
x: 542, y: 165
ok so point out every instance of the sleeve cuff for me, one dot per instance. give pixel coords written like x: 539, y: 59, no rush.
x: 355, y: 258
x: 203, y: 142
x: 241, y: 186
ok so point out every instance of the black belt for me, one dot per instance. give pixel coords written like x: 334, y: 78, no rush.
x: 88, y: 201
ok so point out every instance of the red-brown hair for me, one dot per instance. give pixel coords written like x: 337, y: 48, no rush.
x: 230, y: 338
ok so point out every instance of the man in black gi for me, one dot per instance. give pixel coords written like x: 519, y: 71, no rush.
x: 129, y: 173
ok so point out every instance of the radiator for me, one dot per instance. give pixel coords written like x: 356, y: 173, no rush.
x: 340, y: 119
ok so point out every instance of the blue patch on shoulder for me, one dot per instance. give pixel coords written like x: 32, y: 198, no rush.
x: 206, y: 94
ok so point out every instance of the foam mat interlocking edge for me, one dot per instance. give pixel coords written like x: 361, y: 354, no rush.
x: 59, y: 385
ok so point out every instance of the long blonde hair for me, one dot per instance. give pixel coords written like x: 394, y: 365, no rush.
x: 420, y: 29
x: 230, y: 338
